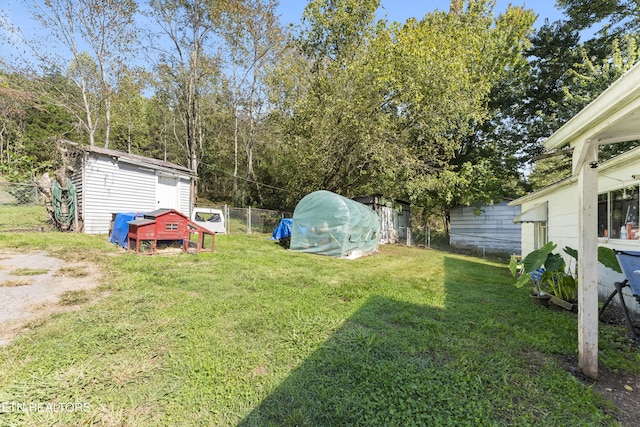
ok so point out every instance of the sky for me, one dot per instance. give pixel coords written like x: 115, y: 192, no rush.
x: 290, y: 12
x: 394, y: 10
x: 401, y: 10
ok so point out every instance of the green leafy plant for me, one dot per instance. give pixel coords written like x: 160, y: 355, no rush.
x: 543, y: 269
x: 547, y: 271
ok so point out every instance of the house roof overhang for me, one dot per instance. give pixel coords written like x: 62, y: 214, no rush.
x: 630, y: 157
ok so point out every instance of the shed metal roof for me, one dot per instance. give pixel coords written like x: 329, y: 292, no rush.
x: 140, y: 160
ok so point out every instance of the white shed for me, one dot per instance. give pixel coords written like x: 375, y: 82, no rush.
x: 109, y: 181
x: 489, y: 228
x: 395, y: 218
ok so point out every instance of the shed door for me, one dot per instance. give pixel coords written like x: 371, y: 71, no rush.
x: 167, y: 192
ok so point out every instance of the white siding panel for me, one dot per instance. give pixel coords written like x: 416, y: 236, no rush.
x: 528, y: 236
x: 388, y: 234
x: 76, y: 179
x: 112, y: 187
x: 493, y: 230
x: 184, y: 196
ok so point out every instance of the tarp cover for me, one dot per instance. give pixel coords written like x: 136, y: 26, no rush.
x: 121, y: 227
x: 283, y: 229
x: 326, y: 223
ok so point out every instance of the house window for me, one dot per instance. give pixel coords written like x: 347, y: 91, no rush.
x: 539, y: 234
x: 171, y: 226
x: 618, y: 214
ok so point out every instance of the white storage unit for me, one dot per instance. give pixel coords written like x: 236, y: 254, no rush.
x: 109, y: 181
x: 489, y: 228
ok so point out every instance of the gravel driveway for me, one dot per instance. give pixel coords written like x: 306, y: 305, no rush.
x: 25, y: 295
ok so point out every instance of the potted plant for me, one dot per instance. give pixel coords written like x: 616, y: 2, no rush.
x: 565, y: 291
x: 535, y: 269
x: 546, y: 270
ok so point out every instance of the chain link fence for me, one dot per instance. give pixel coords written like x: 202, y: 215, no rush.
x: 252, y: 220
x: 22, y: 208
x: 14, y: 194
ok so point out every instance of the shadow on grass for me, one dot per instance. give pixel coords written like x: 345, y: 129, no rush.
x: 375, y: 370
x: 473, y: 362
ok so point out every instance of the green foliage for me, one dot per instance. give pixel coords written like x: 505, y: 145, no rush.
x: 385, y: 108
x: 544, y: 269
x: 607, y: 257
x: 332, y: 120
x: 616, y: 16
x: 549, y: 171
x: 555, y: 277
x: 451, y: 64
x: 536, y: 259
x: 566, y: 76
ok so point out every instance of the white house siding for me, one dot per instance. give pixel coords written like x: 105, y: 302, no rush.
x: 493, y: 230
x: 111, y: 187
x: 562, y: 227
x: 562, y: 223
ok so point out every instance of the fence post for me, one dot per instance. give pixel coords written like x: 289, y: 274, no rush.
x: 226, y: 218
x: 249, y: 220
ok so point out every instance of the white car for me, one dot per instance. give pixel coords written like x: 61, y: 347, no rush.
x: 210, y: 218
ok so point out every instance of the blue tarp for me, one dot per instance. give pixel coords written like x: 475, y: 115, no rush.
x: 121, y: 227
x: 283, y: 229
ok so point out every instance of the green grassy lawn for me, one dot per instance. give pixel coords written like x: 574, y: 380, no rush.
x: 25, y: 218
x: 255, y: 335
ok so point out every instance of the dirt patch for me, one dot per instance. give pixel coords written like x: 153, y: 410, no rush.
x: 43, y: 292
x: 621, y: 389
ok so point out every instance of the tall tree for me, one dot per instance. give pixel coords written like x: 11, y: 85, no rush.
x: 253, y: 39
x: 186, y: 65
x: 588, y: 79
x: 526, y: 105
x: 450, y: 66
x: 88, y: 39
x: 615, y: 17
x: 330, y: 92
x: 27, y: 125
x: 130, y: 126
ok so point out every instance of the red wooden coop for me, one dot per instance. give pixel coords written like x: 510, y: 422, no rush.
x: 168, y: 225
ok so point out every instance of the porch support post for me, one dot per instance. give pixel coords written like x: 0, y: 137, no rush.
x: 585, y: 166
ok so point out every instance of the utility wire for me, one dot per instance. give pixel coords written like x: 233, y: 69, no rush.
x: 249, y: 180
